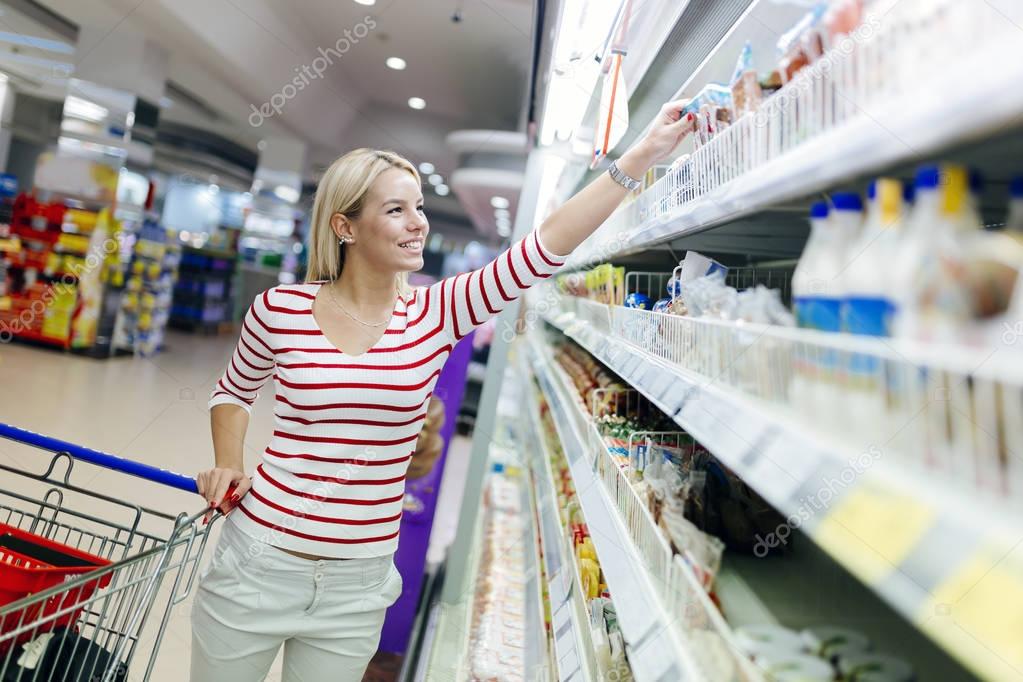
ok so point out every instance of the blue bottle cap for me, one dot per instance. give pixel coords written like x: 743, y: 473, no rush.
x: 1016, y: 187
x: 908, y: 193
x: 847, y: 201
x: 872, y: 190
x: 819, y: 209
x: 927, y: 177
x: 976, y: 181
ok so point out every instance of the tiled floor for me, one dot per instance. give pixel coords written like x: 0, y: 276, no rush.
x: 150, y: 410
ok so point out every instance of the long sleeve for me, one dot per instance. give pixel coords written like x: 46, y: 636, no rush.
x: 252, y: 362
x: 471, y: 298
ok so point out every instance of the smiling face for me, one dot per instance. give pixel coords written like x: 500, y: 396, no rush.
x: 391, y: 230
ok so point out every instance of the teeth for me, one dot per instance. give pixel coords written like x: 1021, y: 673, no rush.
x: 414, y: 244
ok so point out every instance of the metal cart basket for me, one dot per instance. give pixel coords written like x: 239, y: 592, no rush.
x: 88, y: 581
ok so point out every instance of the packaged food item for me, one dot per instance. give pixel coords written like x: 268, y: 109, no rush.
x: 796, y: 668
x: 637, y: 300
x: 874, y: 668
x: 841, y: 18
x: 793, y: 56
x: 768, y: 639
x: 831, y: 642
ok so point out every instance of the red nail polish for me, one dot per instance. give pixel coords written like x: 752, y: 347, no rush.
x: 205, y: 520
x: 689, y: 116
x: 235, y: 498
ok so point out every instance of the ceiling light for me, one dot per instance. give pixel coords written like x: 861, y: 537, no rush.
x: 498, y: 202
x: 502, y: 213
x: 366, y: 2
x: 289, y: 194
x: 442, y: 190
x: 435, y: 179
x: 417, y: 102
x: 426, y: 168
x: 503, y: 221
x: 76, y: 107
x: 503, y: 230
x: 396, y: 63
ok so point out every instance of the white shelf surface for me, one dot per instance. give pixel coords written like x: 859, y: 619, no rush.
x: 655, y: 651
x: 951, y: 565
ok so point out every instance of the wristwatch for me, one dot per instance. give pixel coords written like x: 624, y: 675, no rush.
x: 631, y: 184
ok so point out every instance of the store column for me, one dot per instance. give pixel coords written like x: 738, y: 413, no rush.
x: 271, y: 240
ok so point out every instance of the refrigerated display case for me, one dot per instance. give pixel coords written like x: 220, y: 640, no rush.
x: 881, y: 464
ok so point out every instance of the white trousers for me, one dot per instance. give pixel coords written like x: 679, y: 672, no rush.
x: 252, y: 598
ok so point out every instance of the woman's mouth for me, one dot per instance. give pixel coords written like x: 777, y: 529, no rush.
x: 412, y: 244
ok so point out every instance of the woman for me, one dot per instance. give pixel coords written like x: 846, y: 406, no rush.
x: 305, y: 561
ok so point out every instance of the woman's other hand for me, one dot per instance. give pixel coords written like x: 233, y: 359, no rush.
x: 214, y: 485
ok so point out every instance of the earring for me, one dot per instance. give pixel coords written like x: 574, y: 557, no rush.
x: 344, y: 240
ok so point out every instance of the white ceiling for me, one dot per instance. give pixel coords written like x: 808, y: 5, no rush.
x: 233, y: 54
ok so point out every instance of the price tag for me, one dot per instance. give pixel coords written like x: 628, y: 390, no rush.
x: 872, y: 530
x: 976, y: 612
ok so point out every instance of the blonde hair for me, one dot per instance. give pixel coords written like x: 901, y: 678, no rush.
x: 343, y: 190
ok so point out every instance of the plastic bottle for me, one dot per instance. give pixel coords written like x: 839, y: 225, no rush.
x: 914, y: 245
x: 804, y: 303
x: 868, y: 309
x: 802, y: 294
x: 869, y: 305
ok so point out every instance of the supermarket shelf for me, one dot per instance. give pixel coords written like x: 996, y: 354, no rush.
x: 918, y: 123
x: 27, y: 335
x: 573, y: 647
x: 655, y: 651
x: 948, y: 562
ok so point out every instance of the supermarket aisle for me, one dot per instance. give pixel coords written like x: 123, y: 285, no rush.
x: 152, y: 410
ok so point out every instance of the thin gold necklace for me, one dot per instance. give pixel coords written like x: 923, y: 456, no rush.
x: 330, y: 292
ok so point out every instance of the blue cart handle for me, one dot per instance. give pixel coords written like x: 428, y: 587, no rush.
x: 98, y: 458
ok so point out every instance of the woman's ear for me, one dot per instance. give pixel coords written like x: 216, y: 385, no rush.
x: 342, y: 227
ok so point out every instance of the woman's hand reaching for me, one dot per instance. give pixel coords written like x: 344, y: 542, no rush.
x: 668, y: 130
x: 215, y: 484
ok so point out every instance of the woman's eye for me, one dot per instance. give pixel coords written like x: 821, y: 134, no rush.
x: 420, y: 209
x: 396, y: 208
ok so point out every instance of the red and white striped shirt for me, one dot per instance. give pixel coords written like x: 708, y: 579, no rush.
x: 332, y: 480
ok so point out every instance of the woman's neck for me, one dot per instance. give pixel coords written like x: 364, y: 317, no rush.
x: 366, y: 288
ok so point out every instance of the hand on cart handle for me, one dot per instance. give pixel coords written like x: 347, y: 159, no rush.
x: 222, y: 488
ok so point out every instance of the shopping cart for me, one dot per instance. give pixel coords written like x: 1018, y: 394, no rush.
x: 87, y: 581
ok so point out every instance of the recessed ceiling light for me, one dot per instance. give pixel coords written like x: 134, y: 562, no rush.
x: 442, y: 190
x: 435, y: 179
x: 426, y: 168
x: 396, y: 63
x: 502, y: 213
x: 366, y: 2
x: 503, y: 230
x: 417, y: 102
x: 498, y: 202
